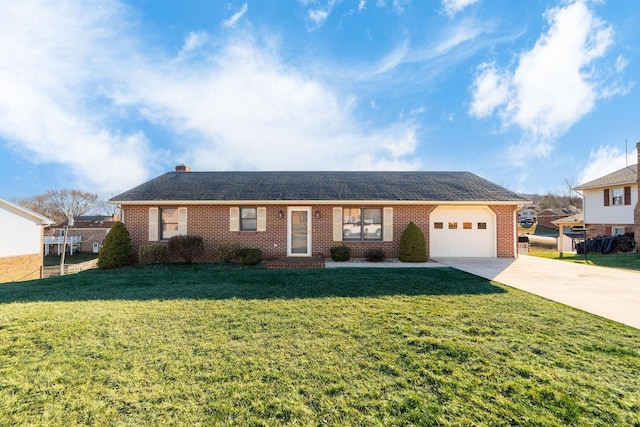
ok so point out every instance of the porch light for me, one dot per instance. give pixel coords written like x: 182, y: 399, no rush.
x: 317, y: 214
x: 280, y: 214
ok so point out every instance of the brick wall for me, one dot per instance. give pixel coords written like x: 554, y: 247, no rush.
x: 212, y: 223
x: 20, y: 268
x: 506, y: 230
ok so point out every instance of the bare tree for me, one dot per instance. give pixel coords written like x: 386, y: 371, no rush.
x: 60, y: 205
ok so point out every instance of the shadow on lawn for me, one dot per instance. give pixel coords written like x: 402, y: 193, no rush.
x: 220, y: 281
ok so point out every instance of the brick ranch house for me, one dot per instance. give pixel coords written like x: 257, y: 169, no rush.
x: 22, y: 233
x: 304, y: 214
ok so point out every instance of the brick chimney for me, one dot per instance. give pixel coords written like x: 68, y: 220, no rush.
x: 183, y: 168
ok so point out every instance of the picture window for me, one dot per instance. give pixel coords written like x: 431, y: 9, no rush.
x: 362, y: 224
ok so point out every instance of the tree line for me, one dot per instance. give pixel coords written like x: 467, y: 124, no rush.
x: 61, y: 205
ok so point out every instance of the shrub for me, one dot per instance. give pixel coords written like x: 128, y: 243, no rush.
x: 340, y: 253
x: 250, y: 256
x: 187, y: 247
x: 116, y: 248
x: 413, y: 247
x: 151, y: 253
x: 374, y: 255
x: 227, y: 251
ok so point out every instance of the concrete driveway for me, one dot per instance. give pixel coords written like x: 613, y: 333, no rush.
x: 608, y: 292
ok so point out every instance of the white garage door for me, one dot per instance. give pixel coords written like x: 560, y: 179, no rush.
x: 462, y: 231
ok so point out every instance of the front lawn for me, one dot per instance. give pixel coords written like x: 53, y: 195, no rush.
x: 209, y: 344
x: 618, y: 260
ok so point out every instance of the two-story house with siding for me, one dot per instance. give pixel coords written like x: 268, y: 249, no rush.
x: 611, y: 202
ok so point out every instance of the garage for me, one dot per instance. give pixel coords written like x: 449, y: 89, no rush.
x: 462, y: 231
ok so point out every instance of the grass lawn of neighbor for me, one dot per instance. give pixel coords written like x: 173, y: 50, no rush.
x: 211, y: 344
x: 627, y: 260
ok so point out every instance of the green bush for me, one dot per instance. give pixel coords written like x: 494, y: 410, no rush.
x: 340, y: 253
x: 187, y: 247
x: 250, y: 256
x: 228, y: 251
x: 374, y: 255
x: 116, y: 248
x: 151, y: 253
x: 413, y: 247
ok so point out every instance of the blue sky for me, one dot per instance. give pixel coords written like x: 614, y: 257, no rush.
x: 104, y: 95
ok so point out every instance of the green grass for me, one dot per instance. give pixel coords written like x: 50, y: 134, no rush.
x: 76, y: 258
x: 618, y: 260
x: 215, y: 345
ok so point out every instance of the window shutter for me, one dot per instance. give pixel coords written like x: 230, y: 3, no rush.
x: 153, y: 224
x: 234, y: 219
x: 607, y: 230
x: 182, y: 221
x: 262, y: 219
x: 607, y: 201
x: 627, y: 195
x: 337, y: 224
x: 387, y: 230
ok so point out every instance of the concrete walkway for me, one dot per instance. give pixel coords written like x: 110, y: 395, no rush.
x: 608, y: 292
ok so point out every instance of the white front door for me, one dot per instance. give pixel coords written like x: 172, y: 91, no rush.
x: 299, y: 231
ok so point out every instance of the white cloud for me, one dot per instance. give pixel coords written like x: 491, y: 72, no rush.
x: 452, y: 7
x: 362, y: 5
x: 248, y: 111
x: 554, y: 84
x: 70, y: 75
x: 194, y: 40
x: 54, y: 61
x: 605, y: 160
x: 233, y: 20
x: 319, y: 15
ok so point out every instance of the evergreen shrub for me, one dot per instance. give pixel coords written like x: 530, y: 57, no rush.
x: 250, y: 256
x: 413, y: 247
x: 340, y: 253
x: 116, y: 250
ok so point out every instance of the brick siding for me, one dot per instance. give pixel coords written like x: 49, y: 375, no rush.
x: 212, y: 223
x: 636, y: 212
x: 20, y: 268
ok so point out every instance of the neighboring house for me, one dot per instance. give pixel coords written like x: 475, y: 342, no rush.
x: 84, y: 234
x: 22, y: 234
x: 546, y: 217
x: 304, y: 214
x: 569, y: 232
x: 611, y: 203
x: 527, y: 212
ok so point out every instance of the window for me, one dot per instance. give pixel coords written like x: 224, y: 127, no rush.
x: 453, y: 226
x: 482, y: 226
x: 618, y: 197
x: 438, y: 225
x: 362, y: 224
x: 248, y: 219
x: 168, y: 223
x: 618, y: 231
x: 467, y: 226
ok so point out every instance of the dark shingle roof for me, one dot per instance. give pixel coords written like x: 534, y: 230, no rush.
x: 318, y: 186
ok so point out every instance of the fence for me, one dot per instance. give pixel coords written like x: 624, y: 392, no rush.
x: 69, y: 268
